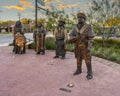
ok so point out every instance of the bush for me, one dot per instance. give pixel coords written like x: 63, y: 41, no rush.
x: 32, y: 46
x: 110, y: 52
x: 50, y: 43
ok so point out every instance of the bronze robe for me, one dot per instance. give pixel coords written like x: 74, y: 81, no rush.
x: 39, y: 37
x: 60, y: 37
x: 82, y: 47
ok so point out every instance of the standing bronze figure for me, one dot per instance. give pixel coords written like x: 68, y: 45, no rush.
x: 39, y: 38
x: 19, y: 39
x: 60, y: 39
x: 81, y: 35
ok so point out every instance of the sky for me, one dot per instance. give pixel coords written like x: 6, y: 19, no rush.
x: 9, y: 9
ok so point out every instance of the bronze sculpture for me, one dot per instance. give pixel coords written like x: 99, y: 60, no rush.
x: 19, y: 39
x: 60, y: 39
x: 39, y: 38
x: 82, y: 35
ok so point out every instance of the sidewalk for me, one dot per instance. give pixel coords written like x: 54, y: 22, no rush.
x: 41, y: 75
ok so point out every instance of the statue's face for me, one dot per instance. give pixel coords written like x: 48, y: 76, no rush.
x: 60, y: 23
x: 80, y: 19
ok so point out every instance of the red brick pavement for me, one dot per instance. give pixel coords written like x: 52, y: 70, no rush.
x: 41, y: 75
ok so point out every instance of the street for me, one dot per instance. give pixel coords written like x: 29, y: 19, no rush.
x: 6, y: 39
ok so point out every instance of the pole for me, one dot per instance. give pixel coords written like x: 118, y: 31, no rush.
x: 19, y: 16
x: 36, y: 13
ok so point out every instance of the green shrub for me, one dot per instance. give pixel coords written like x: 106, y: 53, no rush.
x: 50, y: 43
x: 114, y: 43
x: 32, y: 46
x: 70, y: 47
x: 110, y: 52
x: 113, y: 56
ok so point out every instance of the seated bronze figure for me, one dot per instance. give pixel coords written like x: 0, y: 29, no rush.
x: 19, y: 39
x: 20, y: 42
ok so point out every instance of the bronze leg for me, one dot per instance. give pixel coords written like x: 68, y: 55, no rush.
x: 89, y: 67
x: 79, y: 65
x: 37, y: 44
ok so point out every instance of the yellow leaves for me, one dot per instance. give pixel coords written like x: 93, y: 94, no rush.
x: 41, y: 20
x: 24, y: 20
x: 113, y: 21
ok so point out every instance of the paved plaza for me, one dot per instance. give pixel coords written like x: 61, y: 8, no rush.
x: 41, y: 75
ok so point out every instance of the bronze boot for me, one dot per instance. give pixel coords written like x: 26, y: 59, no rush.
x: 79, y: 70
x: 63, y: 57
x: 89, y: 71
x: 56, y: 56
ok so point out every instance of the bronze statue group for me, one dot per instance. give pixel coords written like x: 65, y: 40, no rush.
x: 81, y: 36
